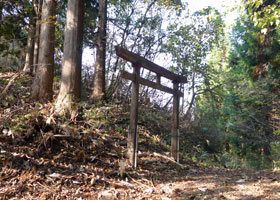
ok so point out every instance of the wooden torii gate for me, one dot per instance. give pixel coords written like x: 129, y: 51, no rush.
x: 138, y: 62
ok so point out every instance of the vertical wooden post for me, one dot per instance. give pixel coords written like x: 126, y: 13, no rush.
x: 158, y: 79
x: 132, y: 132
x: 175, y: 128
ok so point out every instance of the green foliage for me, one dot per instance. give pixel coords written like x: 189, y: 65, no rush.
x: 243, y: 114
x: 56, y: 78
x: 230, y: 161
x: 240, y: 109
x: 264, y: 14
x: 190, y: 44
x: 256, y: 54
x: 256, y: 39
x: 90, y: 22
x: 15, y: 17
x: 96, y: 117
x: 24, y: 80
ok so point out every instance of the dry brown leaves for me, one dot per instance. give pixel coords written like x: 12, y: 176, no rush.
x: 81, y: 161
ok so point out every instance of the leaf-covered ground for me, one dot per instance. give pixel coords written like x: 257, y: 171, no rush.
x: 48, y: 157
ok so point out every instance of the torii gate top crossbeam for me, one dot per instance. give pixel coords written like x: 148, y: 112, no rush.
x: 136, y: 59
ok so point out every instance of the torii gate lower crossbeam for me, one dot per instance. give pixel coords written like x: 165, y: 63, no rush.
x: 138, y: 62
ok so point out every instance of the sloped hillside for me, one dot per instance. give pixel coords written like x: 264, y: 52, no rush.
x: 44, y: 156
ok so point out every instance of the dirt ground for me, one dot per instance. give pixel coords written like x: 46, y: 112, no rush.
x: 77, y: 175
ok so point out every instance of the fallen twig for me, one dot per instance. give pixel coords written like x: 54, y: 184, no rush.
x: 10, y: 83
x: 137, y: 181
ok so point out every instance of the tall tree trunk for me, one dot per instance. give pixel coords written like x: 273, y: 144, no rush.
x: 98, y: 93
x: 29, y: 50
x: 38, y: 10
x: 70, y: 86
x: 42, y: 87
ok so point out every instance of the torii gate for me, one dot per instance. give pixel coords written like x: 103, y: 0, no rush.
x: 138, y: 62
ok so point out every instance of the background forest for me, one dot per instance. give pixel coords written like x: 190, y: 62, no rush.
x: 229, y: 115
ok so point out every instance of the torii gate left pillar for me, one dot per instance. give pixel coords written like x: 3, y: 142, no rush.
x: 132, y: 144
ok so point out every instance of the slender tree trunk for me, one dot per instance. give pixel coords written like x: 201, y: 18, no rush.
x: 29, y: 50
x: 182, y: 88
x: 1, y: 12
x: 42, y: 87
x: 98, y: 93
x: 70, y: 87
x: 28, y: 67
x: 38, y: 9
x: 115, y: 79
x: 188, y: 113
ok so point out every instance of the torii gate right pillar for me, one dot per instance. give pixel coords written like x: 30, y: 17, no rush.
x: 175, y: 119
